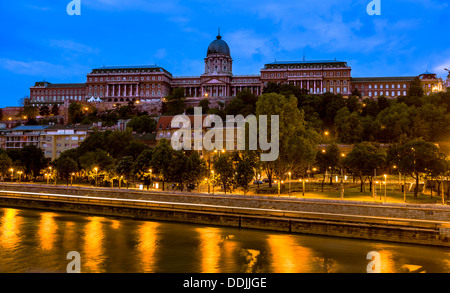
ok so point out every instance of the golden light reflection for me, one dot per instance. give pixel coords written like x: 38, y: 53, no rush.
x: 93, y: 241
x: 9, y: 229
x: 115, y: 224
x: 288, y: 256
x: 387, y: 262
x: 147, y: 247
x: 251, y: 257
x: 211, y: 241
x: 47, y: 231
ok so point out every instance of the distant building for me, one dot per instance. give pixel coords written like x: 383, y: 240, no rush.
x: 431, y: 83
x: 18, y: 137
x: 56, y: 139
x: 390, y: 87
x: 148, y: 85
x: 44, y: 93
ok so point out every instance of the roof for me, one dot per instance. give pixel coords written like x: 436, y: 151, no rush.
x: 30, y: 127
x: 164, y: 122
x: 307, y: 62
x: 218, y: 46
x: 130, y: 67
x: 75, y: 127
x: 383, y: 79
x: 58, y: 85
x: 145, y: 136
x: 144, y: 67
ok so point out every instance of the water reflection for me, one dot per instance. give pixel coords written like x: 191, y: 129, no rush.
x: 10, y: 229
x: 93, y: 246
x: 39, y: 241
x: 147, y: 247
x: 47, y: 231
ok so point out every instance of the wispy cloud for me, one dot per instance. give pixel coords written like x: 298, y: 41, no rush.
x: 73, y: 46
x: 41, y: 68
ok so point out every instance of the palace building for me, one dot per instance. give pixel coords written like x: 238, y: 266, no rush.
x: 149, y: 84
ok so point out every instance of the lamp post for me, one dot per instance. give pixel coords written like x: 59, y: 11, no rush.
x: 71, y: 179
x: 12, y: 174
x: 20, y: 174
x: 96, y: 173
x: 385, y: 186
x: 289, y: 183
x: 212, y: 172
x: 279, y: 186
x: 47, y: 176
x: 151, y: 176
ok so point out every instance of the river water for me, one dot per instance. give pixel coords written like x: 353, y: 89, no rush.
x: 39, y: 241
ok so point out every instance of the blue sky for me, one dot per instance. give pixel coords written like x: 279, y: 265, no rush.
x: 39, y: 40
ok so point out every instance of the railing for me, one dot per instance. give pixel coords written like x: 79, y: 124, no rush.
x: 317, y: 216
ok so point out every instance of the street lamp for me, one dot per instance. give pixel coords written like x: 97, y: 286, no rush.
x: 96, y: 173
x: 385, y: 185
x: 289, y: 183
x: 20, y: 174
x: 212, y: 172
x: 71, y: 179
x: 12, y: 174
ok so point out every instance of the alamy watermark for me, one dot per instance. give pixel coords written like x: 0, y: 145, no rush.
x: 230, y: 135
x: 374, y: 7
x: 74, y: 7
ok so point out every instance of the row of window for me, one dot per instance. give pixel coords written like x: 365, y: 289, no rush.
x: 55, y: 92
x: 306, y: 74
x: 386, y: 93
x: 392, y: 86
x: 123, y: 78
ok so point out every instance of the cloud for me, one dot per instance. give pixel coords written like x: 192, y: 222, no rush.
x: 160, y: 54
x: 73, y: 46
x: 164, y: 7
x: 41, y: 68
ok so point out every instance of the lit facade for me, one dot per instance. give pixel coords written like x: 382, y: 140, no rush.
x: 149, y: 84
x: 56, y: 139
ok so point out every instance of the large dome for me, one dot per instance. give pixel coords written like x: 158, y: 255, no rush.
x: 218, y: 46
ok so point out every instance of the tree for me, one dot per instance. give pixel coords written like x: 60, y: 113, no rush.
x: 195, y: 170
x: 363, y: 160
x: 75, y: 111
x: 5, y: 164
x: 142, y: 124
x: 415, y: 89
x: 124, y: 168
x: 161, y: 158
x: 44, y: 111
x: 65, y: 166
x: 32, y: 159
x: 204, y: 104
x: 175, y: 101
x: 244, y: 174
x: 176, y: 168
x: 349, y: 126
x: 55, y: 110
x: 224, y: 170
x: 416, y: 158
x: 327, y: 160
x: 296, y: 142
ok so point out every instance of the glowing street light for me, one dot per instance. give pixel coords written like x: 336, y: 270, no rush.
x: 96, y: 177
x: 289, y: 183
x: 20, y: 174
x: 385, y: 185
x: 12, y: 174
x: 212, y: 172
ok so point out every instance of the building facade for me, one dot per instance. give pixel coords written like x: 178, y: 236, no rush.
x: 56, y: 139
x: 44, y: 93
x: 18, y: 137
x: 150, y: 84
